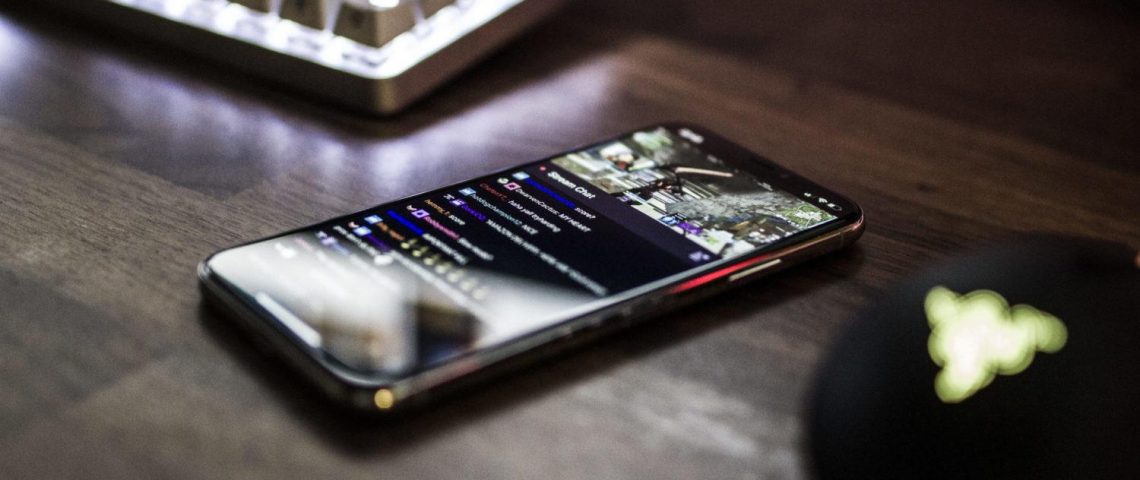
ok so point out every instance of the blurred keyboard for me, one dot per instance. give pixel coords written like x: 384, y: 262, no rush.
x: 371, y: 55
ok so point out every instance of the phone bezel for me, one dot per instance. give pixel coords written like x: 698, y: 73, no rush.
x: 357, y: 389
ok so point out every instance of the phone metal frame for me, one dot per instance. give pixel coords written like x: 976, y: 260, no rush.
x: 577, y: 326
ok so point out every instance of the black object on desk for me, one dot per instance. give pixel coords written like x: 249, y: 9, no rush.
x: 1016, y: 361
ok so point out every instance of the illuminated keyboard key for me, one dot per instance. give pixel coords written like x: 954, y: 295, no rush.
x: 264, y: 6
x: 374, y: 22
x: 310, y: 13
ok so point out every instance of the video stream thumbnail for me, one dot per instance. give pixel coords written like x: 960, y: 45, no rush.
x: 724, y: 210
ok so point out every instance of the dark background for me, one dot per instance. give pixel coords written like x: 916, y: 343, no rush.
x: 123, y: 163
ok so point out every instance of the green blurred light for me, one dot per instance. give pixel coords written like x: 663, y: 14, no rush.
x: 978, y: 335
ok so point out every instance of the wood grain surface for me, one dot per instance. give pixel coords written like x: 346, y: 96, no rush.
x: 123, y: 164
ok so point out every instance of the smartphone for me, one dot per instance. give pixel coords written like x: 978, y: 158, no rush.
x: 394, y: 305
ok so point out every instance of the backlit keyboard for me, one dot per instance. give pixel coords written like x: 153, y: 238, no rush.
x: 371, y: 55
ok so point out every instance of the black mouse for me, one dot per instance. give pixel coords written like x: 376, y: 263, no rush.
x: 1018, y: 360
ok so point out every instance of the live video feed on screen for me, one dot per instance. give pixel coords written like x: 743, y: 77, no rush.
x: 411, y: 284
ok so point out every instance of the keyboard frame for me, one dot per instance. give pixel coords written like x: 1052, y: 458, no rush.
x: 379, y: 95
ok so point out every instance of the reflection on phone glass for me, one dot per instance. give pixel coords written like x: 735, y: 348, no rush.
x: 409, y: 285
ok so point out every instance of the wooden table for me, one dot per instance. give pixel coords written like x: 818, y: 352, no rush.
x: 123, y: 164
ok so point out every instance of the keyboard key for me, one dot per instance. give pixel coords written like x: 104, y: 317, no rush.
x: 384, y: 54
x: 203, y: 12
x: 310, y: 13
x: 374, y: 23
x: 264, y: 6
x: 431, y: 7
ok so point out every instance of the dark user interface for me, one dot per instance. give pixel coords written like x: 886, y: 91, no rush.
x: 410, y: 284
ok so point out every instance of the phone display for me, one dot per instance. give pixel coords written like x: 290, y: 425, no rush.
x: 393, y: 293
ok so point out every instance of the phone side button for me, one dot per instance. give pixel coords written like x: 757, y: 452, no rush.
x: 741, y: 275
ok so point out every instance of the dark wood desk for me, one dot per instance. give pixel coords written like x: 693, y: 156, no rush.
x: 122, y: 164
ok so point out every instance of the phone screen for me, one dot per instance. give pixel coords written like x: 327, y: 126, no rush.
x: 408, y: 285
